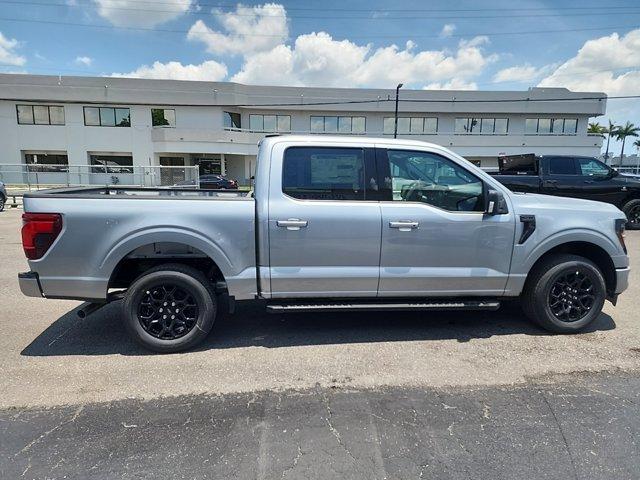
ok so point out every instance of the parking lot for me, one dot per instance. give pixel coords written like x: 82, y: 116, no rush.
x: 56, y: 368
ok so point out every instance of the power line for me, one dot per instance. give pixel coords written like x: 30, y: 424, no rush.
x: 410, y: 14
x: 164, y: 30
x: 307, y: 104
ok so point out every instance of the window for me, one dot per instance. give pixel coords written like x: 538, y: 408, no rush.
x: 47, y: 162
x: 163, y: 117
x: 330, y: 124
x: 551, y: 126
x: 270, y: 123
x: 40, y: 114
x: 562, y: 166
x: 593, y: 167
x: 433, y: 179
x: 487, y: 126
x: 313, y: 173
x: 232, y: 120
x: 411, y: 125
x: 106, y: 117
x: 111, y: 163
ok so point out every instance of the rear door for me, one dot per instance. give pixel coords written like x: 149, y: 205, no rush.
x: 324, y: 221
x: 561, y: 177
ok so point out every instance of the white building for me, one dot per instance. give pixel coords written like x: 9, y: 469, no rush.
x: 116, y: 123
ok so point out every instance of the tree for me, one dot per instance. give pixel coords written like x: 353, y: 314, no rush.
x: 628, y: 130
x: 610, y: 131
x: 637, y: 145
x: 597, y: 129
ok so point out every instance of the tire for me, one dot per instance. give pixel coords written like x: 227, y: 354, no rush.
x: 150, y: 308
x: 547, y: 300
x: 2, y: 203
x: 632, y: 211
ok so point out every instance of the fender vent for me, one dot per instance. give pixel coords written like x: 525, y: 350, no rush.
x: 528, y: 227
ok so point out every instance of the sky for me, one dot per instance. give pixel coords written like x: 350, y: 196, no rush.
x: 488, y: 45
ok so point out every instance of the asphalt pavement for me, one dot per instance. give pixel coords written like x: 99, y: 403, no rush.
x: 339, y: 395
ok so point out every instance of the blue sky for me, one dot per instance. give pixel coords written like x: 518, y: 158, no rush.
x: 496, y: 45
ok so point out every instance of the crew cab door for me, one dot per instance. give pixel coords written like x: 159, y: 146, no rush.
x: 436, y: 238
x: 324, y: 221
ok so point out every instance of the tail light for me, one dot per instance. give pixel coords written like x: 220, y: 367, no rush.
x: 39, y: 231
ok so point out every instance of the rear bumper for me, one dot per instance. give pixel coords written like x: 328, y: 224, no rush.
x: 29, y: 284
x: 622, y: 279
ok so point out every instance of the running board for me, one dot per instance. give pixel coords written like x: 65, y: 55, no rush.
x: 351, y: 307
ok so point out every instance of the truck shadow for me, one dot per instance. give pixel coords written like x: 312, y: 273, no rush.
x: 102, y: 333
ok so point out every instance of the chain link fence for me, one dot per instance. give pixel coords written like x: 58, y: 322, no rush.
x: 35, y: 177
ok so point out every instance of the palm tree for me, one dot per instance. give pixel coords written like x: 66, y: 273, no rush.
x: 628, y: 130
x: 611, y: 131
x: 597, y: 129
x: 637, y: 145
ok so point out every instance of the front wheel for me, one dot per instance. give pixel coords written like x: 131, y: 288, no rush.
x: 170, y: 308
x: 632, y: 211
x: 564, y: 293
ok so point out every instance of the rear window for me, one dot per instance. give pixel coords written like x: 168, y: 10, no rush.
x: 313, y: 173
x: 562, y: 166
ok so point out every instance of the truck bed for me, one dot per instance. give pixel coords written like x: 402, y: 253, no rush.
x: 171, y: 193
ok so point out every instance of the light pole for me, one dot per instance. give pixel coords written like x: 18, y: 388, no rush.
x: 395, y: 126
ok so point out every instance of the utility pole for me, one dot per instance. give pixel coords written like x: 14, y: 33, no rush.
x: 395, y: 127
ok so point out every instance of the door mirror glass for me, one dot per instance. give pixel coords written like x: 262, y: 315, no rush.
x: 495, y: 203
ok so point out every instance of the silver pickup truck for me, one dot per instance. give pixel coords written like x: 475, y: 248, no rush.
x: 334, y: 223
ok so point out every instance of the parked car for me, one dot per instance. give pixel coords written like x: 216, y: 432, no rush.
x: 212, y: 182
x: 334, y: 223
x: 3, y: 196
x: 573, y: 176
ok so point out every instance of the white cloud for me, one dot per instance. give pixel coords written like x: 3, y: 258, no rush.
x: 8, y: 54
x: 86, y: 61
x: 246, y: 30
x: 132, y: 13
x: 453, y: 84
x: 210, y: 71
x: 523, y: 73
x: 447, y: 30
x: 607, y: 64
x: 316, y: 59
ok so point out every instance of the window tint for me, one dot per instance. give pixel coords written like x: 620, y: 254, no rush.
x: 47, y: 162
x: 313, y: 173
x: 592, y: 167
x: 429, y: 178
x: 163, y: 117
x: 562, y: 166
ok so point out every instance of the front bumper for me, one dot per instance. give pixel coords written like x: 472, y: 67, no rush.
x: 29, y: 284
x: 622, y: 279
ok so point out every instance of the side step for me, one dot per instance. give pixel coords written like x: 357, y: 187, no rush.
x: 404, y: 305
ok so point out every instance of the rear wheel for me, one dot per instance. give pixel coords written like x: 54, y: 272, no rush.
x: 564, y: 293
x: 170, y: 308
x: 632, y: 210
x: 2, y: 202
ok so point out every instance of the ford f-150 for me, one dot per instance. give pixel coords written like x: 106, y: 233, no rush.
x: 333, y: 223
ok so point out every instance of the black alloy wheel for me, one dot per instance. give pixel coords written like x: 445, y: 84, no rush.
x: 572, y: 295
x: 167, y: 311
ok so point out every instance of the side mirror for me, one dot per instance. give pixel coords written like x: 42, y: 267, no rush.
x: 495, y: 204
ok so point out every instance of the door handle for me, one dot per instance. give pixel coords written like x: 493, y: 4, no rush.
x: 404, y: 225
x: 292, y: 223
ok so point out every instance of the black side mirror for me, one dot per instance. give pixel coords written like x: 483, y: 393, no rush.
x: 495, y: 203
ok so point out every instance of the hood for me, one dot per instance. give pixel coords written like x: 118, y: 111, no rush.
x: 524, y: 203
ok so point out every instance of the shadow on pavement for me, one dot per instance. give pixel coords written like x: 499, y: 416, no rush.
x: 103, y: 333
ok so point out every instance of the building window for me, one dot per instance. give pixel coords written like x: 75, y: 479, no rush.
x: 411, y: 125
x: 163, y: 117
x: 232, y: 121
x: 270, y: 123
x: 107, y: 117
x: 47, y: 162
x: 487, y: 126
x: 111, y: 163
x: 551, y: 126
x: 40, y: 114
x: 330, y: 124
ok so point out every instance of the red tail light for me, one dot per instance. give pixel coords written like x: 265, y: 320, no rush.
x: 39, y: 231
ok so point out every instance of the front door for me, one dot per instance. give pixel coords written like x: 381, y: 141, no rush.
x: 324, y: 222
x: 436, y: 240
